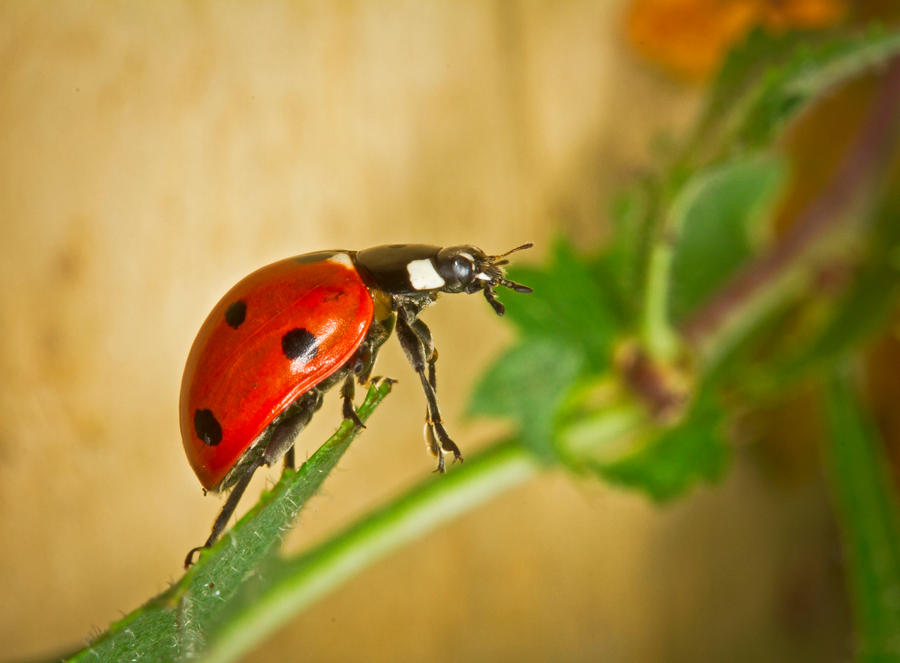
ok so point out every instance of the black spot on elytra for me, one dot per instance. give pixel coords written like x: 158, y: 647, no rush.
x: 236, y: 313
x: 207, y: 427
x: 299, y: 344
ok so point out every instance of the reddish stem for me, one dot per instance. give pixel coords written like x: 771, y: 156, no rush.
x: 871, y: 147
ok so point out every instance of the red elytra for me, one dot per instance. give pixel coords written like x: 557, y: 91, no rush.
x: 243, y: 378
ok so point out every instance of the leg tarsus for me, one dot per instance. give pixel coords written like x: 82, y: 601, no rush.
x: 431, y: 441
x: 347, y: 393
x: 289, y: 460
x: 227, y: 510
x: 447, y: 445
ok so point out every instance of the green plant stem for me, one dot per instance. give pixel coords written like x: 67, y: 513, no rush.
x: 657, y: 336
x: 296, y: 582
x: 867, y: 511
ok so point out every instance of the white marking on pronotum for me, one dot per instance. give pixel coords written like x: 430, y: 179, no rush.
x: 423, y: 275
x: 482, y: 276
x: 342, y: 259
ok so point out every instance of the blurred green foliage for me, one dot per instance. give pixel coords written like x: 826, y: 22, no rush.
x: 721, y: 212
x: 695, y: 304
x: 709, y: 213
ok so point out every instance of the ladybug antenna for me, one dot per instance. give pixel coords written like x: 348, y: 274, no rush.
x: 494, y: 259
x: 491, y: 276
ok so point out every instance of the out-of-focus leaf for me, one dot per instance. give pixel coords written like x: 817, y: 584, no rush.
x: 670, y: 461
x: 567, y: 304
x: 769, y: 79
x: 717, y: 217
x: 779, y: 356
x: 617, y: 269
x: 744, y: 65
x: 867, y: 511
x: 527, y: 383
x: 873, y: 294
x: 810, y: 72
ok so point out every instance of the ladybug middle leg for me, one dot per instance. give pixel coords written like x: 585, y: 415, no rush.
x: 348, y: 391
x: 279, y: 442
x: 415, y: 339
x: 359, y: 367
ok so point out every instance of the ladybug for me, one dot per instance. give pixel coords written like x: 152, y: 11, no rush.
x: 289, y: 332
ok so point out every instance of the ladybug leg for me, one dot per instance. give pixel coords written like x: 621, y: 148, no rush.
x: 289, y: 462
x: 280, y: 443
x: 414, y: 349
x: 227, y: 510
x: 364, y: 361
x: 431, y: 441
x: 431, y: 353
x: 495, y: 303
x: 348, y: 390
x: 281, y: 439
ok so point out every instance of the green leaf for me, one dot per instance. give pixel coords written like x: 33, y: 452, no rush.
x: 770, y: 79
x: 743, y: 65
x: 618, y: 268
x: 175, y: 625
x: 867, y: 512
x: 790, y: 346
x: 717, y: 217
x: 527, y: 384
x: 862, y: 310
x: 668, y: 462
x: 567, y: 304
x: 811, y: 72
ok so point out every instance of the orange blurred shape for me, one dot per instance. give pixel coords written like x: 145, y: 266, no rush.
x: 690, y: 37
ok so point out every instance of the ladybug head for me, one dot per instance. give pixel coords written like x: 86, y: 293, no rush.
x: 469, y: 269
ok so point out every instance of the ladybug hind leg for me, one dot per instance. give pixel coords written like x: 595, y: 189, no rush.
x: 279, y: 442
x: 289, y: 459
x: 227, y: 510
x: 283, y: 432
x: 415, y: 339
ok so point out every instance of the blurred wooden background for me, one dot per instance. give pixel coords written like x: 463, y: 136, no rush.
x: 154, y: 153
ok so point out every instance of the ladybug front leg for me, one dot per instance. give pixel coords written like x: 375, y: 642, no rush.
x: 431, y: 355
x: 414, y: 347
